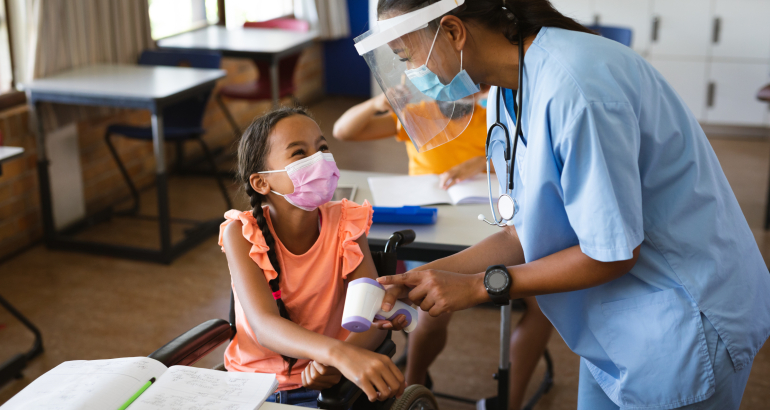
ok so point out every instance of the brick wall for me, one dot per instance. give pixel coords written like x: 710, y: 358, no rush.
x: 20, y: 221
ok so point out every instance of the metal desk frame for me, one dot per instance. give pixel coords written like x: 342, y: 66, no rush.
x: 270, y: 56
x: 59, y: 240
x: 11, y: 368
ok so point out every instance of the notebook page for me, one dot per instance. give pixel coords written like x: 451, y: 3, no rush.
x: 473, y: 191
x: 87, y: 385
x: 191, y: 388
x: 408, y: 190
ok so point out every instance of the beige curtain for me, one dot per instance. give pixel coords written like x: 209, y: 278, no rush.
x: 76, y: 33
x: 329, y: 17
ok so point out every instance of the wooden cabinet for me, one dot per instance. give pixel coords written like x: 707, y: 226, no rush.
x: 741, y: 30
x: 734, y: 88
x: 681, y: 28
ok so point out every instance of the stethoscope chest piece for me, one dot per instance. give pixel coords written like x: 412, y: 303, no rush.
x: 507, y: 207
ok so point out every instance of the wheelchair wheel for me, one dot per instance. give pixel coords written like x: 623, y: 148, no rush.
x: 416, y: 397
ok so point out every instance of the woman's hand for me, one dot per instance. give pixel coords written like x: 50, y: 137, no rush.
x: 318, y: 377
x: 462, y: 171
x: 374, y: 373
x: 435, y: 291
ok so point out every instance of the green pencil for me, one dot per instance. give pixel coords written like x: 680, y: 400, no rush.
x: 137, y: 394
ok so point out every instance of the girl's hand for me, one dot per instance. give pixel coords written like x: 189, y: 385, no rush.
x: 318, y: 377
x: 462, y: 171
x: 374, y: 373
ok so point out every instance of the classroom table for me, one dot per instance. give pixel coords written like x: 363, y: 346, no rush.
x: 255, y: 43
x: 125, y: 86
x: 11, y: 368
x: 457, y: 227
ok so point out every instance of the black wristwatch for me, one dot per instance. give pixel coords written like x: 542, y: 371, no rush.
x: 498, y: 282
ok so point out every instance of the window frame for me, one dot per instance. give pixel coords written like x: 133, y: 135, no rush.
x: 13, y: 97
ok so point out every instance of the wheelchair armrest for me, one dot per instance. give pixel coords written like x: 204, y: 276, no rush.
x: 194, y: 344
x: 342, y: 395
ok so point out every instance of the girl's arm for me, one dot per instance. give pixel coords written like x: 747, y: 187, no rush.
x: 364, y: 122
x: 372, y: 372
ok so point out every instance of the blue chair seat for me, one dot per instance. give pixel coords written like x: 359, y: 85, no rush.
x: 145, y: 133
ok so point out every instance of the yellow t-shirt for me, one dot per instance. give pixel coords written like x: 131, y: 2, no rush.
x: 440, y: 159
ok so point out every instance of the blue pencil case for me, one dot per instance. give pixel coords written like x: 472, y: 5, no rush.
x: 405, y: 215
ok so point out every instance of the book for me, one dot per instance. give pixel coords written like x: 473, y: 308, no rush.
x: 422, y: 190
x: 109, y: 384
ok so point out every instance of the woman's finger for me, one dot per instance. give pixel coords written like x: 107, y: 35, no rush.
x: 393, y: 293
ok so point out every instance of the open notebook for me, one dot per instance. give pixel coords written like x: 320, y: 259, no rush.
x: 425, y: 190
x: 109, y: 384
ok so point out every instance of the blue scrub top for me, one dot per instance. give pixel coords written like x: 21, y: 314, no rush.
x: 614, y: 159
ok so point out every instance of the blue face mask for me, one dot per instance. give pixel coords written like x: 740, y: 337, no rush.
x: 429, y: 84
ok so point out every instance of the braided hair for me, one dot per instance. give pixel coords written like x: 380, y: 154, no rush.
x: 507, y: 16
x: 253, y: 150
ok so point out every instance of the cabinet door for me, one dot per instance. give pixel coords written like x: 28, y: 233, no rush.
x: 683, y: 28
x: 734, y: 100
x: 580, y: 10
x: 742, y: 29
x: 633, y: 14
x: 688, y: 78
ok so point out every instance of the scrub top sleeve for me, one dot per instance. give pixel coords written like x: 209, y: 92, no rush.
x: 600, y: 180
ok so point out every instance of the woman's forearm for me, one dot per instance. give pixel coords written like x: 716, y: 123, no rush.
x: 501, y: 248
x: 565, y: 271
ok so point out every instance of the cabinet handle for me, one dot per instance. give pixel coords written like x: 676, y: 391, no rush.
x: 716, y: 30
x: 710, y: 94
x: 655, y: 26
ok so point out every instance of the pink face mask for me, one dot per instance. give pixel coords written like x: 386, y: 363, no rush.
x: 314, y: 178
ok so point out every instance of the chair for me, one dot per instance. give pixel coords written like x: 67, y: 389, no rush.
x: 620, y: 34
x: 260, y: 89
x: 197, y: 342
x: 764, y: 95
x: 182, y: 121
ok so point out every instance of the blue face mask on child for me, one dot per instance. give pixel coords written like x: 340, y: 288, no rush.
x: 429, y: 84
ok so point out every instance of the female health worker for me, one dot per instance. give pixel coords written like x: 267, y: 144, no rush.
x: 625, y: 227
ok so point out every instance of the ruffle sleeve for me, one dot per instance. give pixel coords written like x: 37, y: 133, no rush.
x: 355, y: 220
x: 253, y: 234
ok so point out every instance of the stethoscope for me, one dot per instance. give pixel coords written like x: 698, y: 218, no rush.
x: 507, y: 206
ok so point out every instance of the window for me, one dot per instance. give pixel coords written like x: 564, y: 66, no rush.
x: 6, y: 70
x: 241, y: 11
x: 169, y: 17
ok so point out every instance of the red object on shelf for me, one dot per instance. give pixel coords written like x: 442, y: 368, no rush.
x: 260, y: 89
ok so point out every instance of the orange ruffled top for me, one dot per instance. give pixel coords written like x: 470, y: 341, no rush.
x: 312, y: 285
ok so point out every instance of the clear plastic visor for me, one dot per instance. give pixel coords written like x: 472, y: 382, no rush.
x: 428, y: 122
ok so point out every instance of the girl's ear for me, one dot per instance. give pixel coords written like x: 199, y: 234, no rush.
x: 259, y: 183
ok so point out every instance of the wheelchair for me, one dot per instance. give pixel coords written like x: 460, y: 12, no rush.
x: 197, y: 342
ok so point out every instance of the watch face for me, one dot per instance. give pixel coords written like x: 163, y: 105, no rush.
x: 497, y: 280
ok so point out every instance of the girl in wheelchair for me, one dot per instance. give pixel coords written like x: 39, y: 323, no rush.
x: 290, y: 258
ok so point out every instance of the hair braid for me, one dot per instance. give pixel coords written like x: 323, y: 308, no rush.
x: 253, y: 149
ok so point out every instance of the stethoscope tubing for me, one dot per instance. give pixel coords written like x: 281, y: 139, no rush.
x: 509, y: 154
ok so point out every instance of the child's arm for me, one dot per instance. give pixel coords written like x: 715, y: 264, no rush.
x: 364, y: 122
x: 372, y: 372
x: 317, y: 376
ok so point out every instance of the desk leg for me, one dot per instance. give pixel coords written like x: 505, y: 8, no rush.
x: 44, y: 179
x: 505, y: 359
x: 164, y: 215
x: 274, y: 82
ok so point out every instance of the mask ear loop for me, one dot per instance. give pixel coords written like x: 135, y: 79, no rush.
x: 433, y: 44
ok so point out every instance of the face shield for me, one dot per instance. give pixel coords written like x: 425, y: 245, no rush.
x: 421, y: 74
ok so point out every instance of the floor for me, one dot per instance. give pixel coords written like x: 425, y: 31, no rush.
x: 92, y: 307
